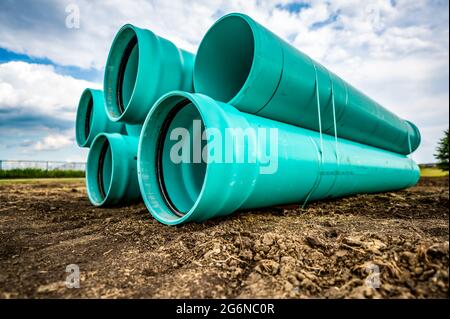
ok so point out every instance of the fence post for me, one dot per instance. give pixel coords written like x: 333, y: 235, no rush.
x: 47, y: 165
x: 1, y: 167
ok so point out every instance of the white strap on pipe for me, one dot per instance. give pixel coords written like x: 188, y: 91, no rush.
x: 319, y: 116
x: 321, y: 153
x: 336, y: 151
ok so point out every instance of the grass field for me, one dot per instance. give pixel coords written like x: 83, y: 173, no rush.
x: 39, y: 173
x: 39, y: 180
x: 432, y: 172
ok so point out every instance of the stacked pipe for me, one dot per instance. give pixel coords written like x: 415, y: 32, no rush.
x: 141, y: 66
x: 331, y: 140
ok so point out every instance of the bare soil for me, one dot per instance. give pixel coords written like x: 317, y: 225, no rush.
x: 331, y: 249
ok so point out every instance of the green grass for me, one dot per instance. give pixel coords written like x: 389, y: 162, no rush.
x: 432, y: 172
x: 39, y: 173
x: 40, y: 180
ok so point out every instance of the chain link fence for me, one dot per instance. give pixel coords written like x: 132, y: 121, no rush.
x: 44, y: 165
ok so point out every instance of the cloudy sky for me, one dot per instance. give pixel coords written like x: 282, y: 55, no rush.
x: 396, y: 51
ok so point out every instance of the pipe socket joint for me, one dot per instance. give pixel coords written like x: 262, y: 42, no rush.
x: 142, y: 66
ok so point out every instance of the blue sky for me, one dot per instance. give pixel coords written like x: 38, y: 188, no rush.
x: 395, y: 51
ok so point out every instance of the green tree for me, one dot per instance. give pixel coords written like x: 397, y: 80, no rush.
x: 442, y: 152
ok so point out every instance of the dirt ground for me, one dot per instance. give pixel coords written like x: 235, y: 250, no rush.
x: 391, y: 245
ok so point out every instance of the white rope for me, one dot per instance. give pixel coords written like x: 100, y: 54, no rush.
x: 336, y: 149
x: 334, y: 122
x: 316, y: 183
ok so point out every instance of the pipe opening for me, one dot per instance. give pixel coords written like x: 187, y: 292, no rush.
x: 180, y: 182
x: 84, y: 117
x: 104, y: 169
x: 88, y: 118
x: 171, y: 167
x: 159, y: 158
x: 224, y: 59
x: 100, y: 170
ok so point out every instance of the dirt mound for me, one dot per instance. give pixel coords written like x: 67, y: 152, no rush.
x: 391, y: 245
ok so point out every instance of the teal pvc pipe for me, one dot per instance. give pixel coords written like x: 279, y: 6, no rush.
x: 142, y: 66
x: 91, y: 118
x: 133, y: 129
x: 176, y: 191
x: 111, y: 171
x: 244, y: 64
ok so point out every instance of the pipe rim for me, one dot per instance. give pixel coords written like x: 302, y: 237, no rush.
x: 123, y: 46
x: 418, y: 139
x: 239, y: 95
x: 148, y: 154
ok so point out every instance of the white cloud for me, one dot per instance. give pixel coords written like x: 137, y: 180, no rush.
x: 37, y: 89
x: 37, y: 111
x: 41, y: 32
x: 53, y: 142
x: 397, y: 54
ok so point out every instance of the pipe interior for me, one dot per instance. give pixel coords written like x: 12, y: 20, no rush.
x: 88, y: 117
x: 180, y: 182
x: 104, y: 171
x: 224, y: 59
x: 127, y: 74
